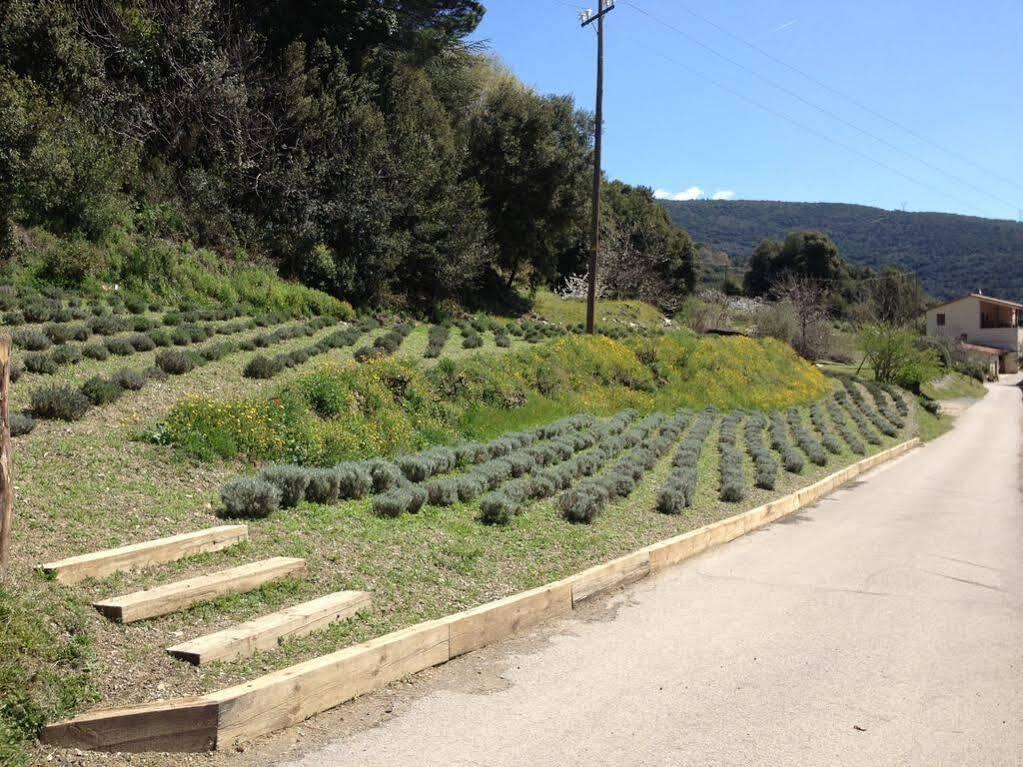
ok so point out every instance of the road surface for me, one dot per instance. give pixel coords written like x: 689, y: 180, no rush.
x: 882, y: 627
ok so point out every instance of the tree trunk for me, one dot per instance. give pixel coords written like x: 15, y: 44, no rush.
x: 6, y: 482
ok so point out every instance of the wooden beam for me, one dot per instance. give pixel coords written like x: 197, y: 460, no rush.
x: 180, y: 595
x: 179, y: 725
x: 292, y: 695
x: 618, y: 572
x: 266, y: 632
x: 6, y: 478
x: 137, y: 556
x: 502, y: 618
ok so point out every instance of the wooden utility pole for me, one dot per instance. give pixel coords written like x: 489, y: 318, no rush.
x: 587, y: 18
x: 6, y: 482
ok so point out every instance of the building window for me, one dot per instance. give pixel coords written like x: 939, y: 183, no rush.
x: 941, y: 320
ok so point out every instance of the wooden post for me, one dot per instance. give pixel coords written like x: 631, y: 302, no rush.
x: 6, y: 481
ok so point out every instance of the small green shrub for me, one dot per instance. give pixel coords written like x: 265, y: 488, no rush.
x: 442, y: 492
x: 324, y: 486
x: 354, y: 480
x: 261, y: 367
x: 141, y: 342
x: 292, y: 481
x: 58, y: 333
x: 120, y: 346
x: 40, y: 363
x: 100, y: 391
x: 496, y: 508
x: 61, y: 403
x: 32, y: 340
x: 96, y: 351
x: 69, y: 354
x: 174, y: 362
x: 385, y: 475
x: 21, y: 424
x: 129, y: 380
x: 250, y: 497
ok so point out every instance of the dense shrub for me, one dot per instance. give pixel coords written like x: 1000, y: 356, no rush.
x: 354, y: 480
x: 472, y: 340
x: 497, y: 508
x: 324, y: 486
x: 69, y: 354
x: 791, y: 459
x: 764, y: 462
x: 437, y: 337
x: 58, y: 333
x: 21, y: 424
x: 40, y: 363
x: 105, y: 325
x: 262, y: 367
x: 583, y: 502
x: 140, y: 342
x: 250, y: 497
x: 174, y: 361
x: 403, y: 499
x: 32, y: 340
x: 290, y: 480
x: 679, y: 489
x: 100, y: 391
x: 820, y: 424
x: 129, y: 380
x: 59, y: 403
x: 442, y: 492
x: 120, y: 346
x: 96, y: 351
x: 861, y: 421
x: 16, y: 372
x: 733, y: 483
x: 838, y: 419
x: 882, y: 424
x: 806, y: 441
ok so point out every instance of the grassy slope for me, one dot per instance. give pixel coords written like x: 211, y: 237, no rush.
x: 88, y: 482
x: 954, y: 386
x: 570, y: 311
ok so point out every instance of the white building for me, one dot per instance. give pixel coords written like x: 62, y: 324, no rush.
x: 988, y: 329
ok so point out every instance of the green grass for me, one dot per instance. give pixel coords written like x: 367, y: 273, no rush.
x: 571, y: 311
x: 86, y: 486
x: 954, y: 385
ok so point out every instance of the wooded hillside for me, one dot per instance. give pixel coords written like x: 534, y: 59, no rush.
x: 951, y: 254
x: 363, y: 146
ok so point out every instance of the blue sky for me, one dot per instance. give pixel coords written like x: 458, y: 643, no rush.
x: 950, y: 71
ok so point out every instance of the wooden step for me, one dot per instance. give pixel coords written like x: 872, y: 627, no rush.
x: 180, y: 595
x: 264, y: 633
x: 138, y: 556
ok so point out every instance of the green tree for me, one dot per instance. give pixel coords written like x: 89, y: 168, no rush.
x: 530, y: 155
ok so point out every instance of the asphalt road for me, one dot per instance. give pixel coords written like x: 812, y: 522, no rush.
x: 882, y: 627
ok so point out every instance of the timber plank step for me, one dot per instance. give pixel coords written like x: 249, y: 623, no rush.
x: 179, y: 595
x: 137, y: 556
x: 265, y: 632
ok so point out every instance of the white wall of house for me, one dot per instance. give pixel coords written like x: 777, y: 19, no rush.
x: 963, y: 317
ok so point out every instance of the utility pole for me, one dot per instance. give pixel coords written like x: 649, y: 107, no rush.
x: 6, y: 483
x: 588, y: 17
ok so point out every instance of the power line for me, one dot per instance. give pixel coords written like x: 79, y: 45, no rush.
x: 855, y: 102
x: 813, y: 131
x: 822, y: 110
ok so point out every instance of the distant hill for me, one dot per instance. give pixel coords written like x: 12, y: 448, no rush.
x: 951, y: 254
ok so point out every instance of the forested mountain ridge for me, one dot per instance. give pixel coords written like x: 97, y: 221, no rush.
x: 951, y: 254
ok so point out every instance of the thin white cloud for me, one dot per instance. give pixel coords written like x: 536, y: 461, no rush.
x: 692, y: 193
x: 786, y: 25
x: 723, y: 194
